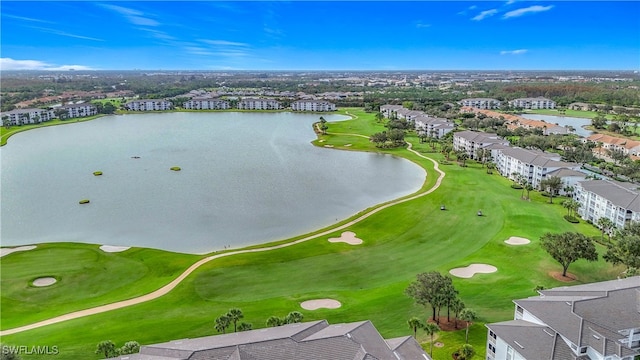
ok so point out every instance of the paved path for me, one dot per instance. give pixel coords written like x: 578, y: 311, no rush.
x: 170, y: 286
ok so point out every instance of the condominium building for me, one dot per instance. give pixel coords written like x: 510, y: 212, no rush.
x: 598, y: 321
x: 389, y: 111
x: 309, y: 340
x: 614, y: 200
x: 312, y: 105
x: 149, y: 105
x: 433, y: 126
x: 259, y: 104
x: 470, y: 141
x: 532, y: 165
x: 79, y: 110
x: 481, y: 103
x: 206, y: 104
x: 27, y: 116
x: 533, y: 103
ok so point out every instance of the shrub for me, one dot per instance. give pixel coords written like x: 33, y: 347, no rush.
x: 516, y: 186
x: 571, y: 219
x: 97, y: 173
x: 176, y: 168
x: 84, y: 201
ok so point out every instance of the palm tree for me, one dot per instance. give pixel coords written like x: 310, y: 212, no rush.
x: 528, y: 187
x: 605, y: 225
x: 107, y: 347
x: 468, y: 316
x: 234, y: 315
x: 552, y: 185
x: 293, y: 317
x: 415, y: 324
x: 243, y: 326
x: 462, y: 155
x: 431, y: 329
x: 446, y: 150
x: 457, y: 306
x: 274, y: 321
x: 222, y: 323
x: 466, y: 352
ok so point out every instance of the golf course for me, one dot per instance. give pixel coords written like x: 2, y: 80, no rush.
x: 399, y: 239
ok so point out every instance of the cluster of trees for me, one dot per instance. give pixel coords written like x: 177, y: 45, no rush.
x: 388, y: 139
x: 109, y: 349
x: 624, y: 247
x: 232, y: 316
x: 291, y: 318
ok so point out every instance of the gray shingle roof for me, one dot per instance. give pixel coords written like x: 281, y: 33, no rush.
x: 540, y: 338
x: 303, y: 341
x: 621, y: 195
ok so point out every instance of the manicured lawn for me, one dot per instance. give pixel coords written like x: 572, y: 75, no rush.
x: 368, y: 279
x: 5, y: 133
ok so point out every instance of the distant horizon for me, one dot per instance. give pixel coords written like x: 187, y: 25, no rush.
x: 508, y: 35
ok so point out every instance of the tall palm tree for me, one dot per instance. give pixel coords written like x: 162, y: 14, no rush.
x: 552, y: 185
x: 234, y: 315
x: 415, y: 324
x: 431, y: 329
x: 222, y: 323
x: 468, y: 316
x: 605, y: 225
x: 457, y: 306
x: 243, y: 326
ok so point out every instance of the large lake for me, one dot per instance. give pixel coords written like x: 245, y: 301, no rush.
x: 577, y: 123
x: 246, y: 178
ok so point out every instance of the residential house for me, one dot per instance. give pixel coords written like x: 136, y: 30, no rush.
x: 533, y: 165
x: 206, y: 103
x: 79, y: 110
x: 309, y: 340
x: 598, y: 321
x: 607, y: 143
x: 313, y: 105
x: 545, y: 127
x: 471, y: 141
x: 533, y: 103
x: 481, y: 103
x: 614, y: 200
x: 258, y: 104
x: 27, y: 116
x: 148, y: 105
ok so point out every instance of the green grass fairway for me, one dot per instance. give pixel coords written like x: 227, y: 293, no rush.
x: 368, y: 279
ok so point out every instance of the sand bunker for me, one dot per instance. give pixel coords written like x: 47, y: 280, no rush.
x: 44, y: 281
x: 347, y: 237
x: 514, y: 240
x: 328, y: 146
x: 320, y: 304
x: 469, y: 271
x: 111, y: 248
x: 7, y: 251
x: 347, y: 145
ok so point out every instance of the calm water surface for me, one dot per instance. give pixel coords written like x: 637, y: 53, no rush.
x: 246, y: 178
x: 577, y: 123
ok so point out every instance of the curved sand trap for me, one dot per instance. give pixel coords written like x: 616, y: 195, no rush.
x: 320, y: 304
x: 469, y: 271
x: 7, y: 251
x: 111, y: 248
x: 347, y: 145
x: 44, y: 281
x: 514, y: 240
x: 328, y: 146
x: 347, y: 237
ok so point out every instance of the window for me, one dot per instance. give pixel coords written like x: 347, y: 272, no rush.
x: 509, y: 353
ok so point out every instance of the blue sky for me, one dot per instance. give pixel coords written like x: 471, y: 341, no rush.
x: 323, y: 35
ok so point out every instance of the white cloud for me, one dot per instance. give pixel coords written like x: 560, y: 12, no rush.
x: 509, y: 2
x: 527, y: 10
x: 224, y: 43
x: 11, y: 64
x: 421, y: 25
x: 513, y: 52
x: 485, y: 14
x: 133, y: 16
x: 26, y: 18
x: 64, y: 33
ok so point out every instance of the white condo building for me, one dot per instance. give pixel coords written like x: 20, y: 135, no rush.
x: 206, y: 104
x: 616, y: 201
x: 533, y: 165
x: 80, y: 110
x: 27, y: 116
x: 471, y: 141
x: 313, y: 105
x: 481, y: 103
x: 259, y: 104
x: 148, y: 105
x: 598, y: 321
x: 533, y: 103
